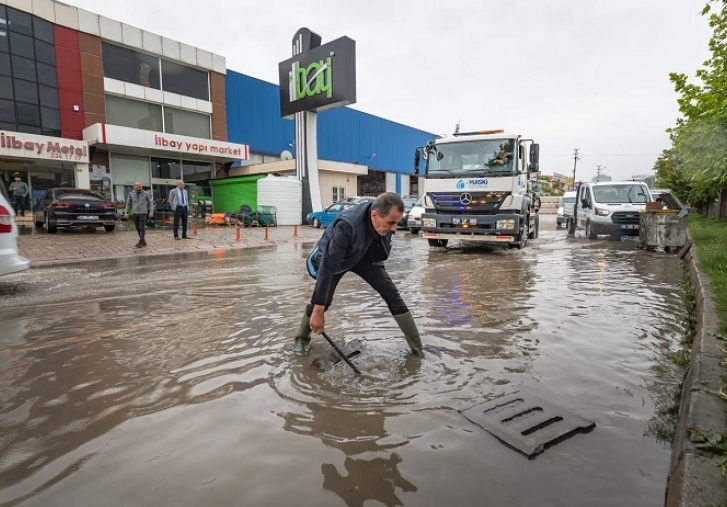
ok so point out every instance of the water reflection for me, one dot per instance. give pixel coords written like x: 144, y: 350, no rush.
x: 184, y: 361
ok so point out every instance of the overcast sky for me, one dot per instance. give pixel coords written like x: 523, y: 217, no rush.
x: 592, y: 75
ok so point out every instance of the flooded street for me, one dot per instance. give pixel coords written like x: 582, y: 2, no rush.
x: 169, y: 380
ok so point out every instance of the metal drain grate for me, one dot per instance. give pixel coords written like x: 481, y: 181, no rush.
x: 330, y: 359
x: 526, y: 423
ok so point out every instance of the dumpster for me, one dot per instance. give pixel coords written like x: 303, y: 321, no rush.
x: 663, y: 223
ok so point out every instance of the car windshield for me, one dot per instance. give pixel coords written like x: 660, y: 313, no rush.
x: 78, y: 194
x: 621, y: 194
x: 409, y: 202
x: 492, y: 157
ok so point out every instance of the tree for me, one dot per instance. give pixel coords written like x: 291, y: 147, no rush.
x: 697, y: 162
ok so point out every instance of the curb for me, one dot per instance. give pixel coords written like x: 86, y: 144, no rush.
x: 694, y: 478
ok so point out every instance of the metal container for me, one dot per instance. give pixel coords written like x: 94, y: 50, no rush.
x: 663, y: 224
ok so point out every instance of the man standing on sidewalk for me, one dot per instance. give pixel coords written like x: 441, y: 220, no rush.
x: 179, y: 203
x: 138, y: 203
x: 19, y: 190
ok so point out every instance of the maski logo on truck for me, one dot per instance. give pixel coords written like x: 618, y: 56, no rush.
x: 462, y: 184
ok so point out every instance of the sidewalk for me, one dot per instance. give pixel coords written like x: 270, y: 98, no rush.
x: 79, y: 244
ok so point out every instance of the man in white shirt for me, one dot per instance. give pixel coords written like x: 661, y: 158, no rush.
x: 179, y: 203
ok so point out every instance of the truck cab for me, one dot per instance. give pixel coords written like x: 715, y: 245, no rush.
x: 478, y: 188
x: 610, y: 208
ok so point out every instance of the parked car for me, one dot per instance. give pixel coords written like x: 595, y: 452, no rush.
x: 324, y: 218
x: 359, y: 198
x: 73, y: 207
x: 10, y: 261
x: 414, y: 217
x: 409, y: 202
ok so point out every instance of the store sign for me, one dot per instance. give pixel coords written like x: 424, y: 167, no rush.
x: 15, y: 144
x: 115, y: 135
x: 319, y: 79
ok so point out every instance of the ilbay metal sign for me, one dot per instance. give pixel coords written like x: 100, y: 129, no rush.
x: 319, y: 79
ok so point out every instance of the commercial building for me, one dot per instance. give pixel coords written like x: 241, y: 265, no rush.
x: 96, y: 103
x: 92, y: 102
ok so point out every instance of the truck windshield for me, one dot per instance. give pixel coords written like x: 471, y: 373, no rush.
x: 621, y: 194
x: 494, y: 157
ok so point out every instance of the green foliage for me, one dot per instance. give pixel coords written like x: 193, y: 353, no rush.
x: 713, y: 442
x: 696, y: 165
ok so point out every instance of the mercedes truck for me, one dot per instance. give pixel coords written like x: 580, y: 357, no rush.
x: 478, y: 188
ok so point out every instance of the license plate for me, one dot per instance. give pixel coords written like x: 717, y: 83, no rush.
x: 87, y: 217
x: 463, y: 221
x: 629, y: 226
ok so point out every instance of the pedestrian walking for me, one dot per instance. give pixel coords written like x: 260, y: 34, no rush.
x: 358, y: 240
x: 19, y: 190
x: 138, y: 204
x: 179, y: 203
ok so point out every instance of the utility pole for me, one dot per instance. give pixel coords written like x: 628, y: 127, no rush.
x: 599, y: 169
x: 576, y: 158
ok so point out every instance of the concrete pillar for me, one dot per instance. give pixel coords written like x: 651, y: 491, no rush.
x: 83, y: 177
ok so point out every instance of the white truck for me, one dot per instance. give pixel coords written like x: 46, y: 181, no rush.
x: 478, y: 188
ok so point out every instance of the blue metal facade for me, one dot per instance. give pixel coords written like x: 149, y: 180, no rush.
x: 344, y: 134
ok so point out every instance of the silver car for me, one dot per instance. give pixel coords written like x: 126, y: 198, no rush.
x: 10, y: 261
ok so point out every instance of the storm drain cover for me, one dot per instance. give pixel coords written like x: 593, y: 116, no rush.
x: 526, y: 423
x: 331, y: 359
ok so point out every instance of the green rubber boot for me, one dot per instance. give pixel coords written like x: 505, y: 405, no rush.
x: 411, y: 333
x: 302, y: 339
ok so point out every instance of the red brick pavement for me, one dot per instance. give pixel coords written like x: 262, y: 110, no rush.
x: 86, y: 244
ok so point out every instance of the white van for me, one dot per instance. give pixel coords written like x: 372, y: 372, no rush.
x: 610, y: 207
x: 565, y: 209
x: 10, y: 261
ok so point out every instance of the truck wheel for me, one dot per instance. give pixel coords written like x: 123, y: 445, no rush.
x: 590, y: 234
x: 570, y: 225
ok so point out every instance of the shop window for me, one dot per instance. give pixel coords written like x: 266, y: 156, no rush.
x: 127, y: 169
x: 47, y: 75
x: 4, y: 46
x: 20, y: 22
x: 21, y: 45
x: 195, y: 171
x: 133, y: 113
x: 50, y: 118
x: 130, y: 66
x: 6, y: 88
x: 185, y: 80
x: 43, y: 30
x: 25, y: 91
x: 28, y: 114
x: 48, y: 96
x: 7, y: 111
x: 45, y: 53
x: 30, y: 129
x: 186, y: 123
x: 24, y: 68
x: 4, y: 64
x: 165, y: 169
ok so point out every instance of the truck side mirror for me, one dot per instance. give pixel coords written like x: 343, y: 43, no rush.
x: 534, y: 158
x: 584, y: 203
x: 416, y: 160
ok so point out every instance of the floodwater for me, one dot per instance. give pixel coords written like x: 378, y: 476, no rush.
x: 169, y: 381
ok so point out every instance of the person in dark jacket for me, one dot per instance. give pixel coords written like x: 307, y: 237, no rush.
x: 358, y: 240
